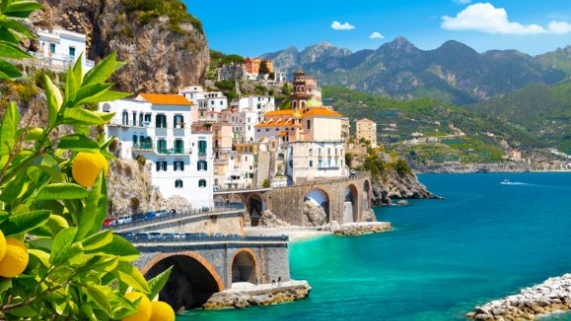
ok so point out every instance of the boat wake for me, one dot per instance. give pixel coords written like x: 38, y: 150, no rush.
x: 508, y: 182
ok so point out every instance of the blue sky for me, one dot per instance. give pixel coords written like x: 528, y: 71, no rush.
x: 253, y: 27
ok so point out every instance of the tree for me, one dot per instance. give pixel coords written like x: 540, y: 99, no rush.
x: 266, y: 183
x: 55, y: 205
x: 264, y: 69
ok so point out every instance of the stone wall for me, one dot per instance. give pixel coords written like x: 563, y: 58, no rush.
x: 287, y: 202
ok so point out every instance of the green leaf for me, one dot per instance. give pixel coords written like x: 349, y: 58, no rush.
x: 98, y: 240
x: 62, y: 245
x: 8, y: 71
x: 16, y: 224
x: 15, y: 188
x: 61, y: 273
x: 91, y: 93
x: 17, y: 26
x: 26, y: 311
x: 55, y: 100
x: 103, y: 264
x: 49, y: 165
x: 89, y: 213
x: 157, y: 283
x: 5, y: 5
x: 62, y: 191
x: 102, y: 71
x: 78, y: 143
x: 78, y: 72
x: 21, y: 7
x: 70, y: 85
x: 99, y: 297
x: 101, y: 211
x: 87, y: 311
x: 135, y: 280
x: 122, y: 307
x: 9, y: 50
x: 8, y: 129
x: 120, y: 247
x: 42, y: 256
x: 81, y: 117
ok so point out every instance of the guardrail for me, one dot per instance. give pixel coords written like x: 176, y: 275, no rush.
x: 170, y: 216
x: 155, y: 237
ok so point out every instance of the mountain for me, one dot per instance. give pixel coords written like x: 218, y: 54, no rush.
x: 445, y: 133
x: 543, y: 111
x: 453, y: 73
x: 163, y: 45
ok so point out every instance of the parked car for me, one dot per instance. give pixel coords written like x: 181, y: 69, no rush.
x: 154, y: 235
x: 107, y: 222
x: 150, y: 215
x: 162, y: 213
x: 124, y: 219
x: 138, y: 217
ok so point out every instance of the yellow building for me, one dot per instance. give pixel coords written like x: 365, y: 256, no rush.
x: 367, y: 129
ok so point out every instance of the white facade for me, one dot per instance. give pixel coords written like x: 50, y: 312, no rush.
x: 192, y: 93
x: 240, y: 172
x: 259, y: 104
x: 61, y: 48
x: 243, y: 123
x: 213, y: 101
x: 307, y: 161
x: 181, y: 159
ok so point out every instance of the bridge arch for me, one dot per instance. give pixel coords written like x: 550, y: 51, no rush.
x: 366, y: 195
x: 192, y: 282
x: 256, y: 204
x: 318, y: 196
x: 351, y: 204
x: 244, y: 266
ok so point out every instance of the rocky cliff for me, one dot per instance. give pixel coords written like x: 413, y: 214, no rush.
x: 393, y: 186
x: 163, y: 46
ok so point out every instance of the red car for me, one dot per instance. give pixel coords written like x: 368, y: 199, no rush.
x: 107, y: 222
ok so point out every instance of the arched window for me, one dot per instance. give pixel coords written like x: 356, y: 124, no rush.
x: 302, y: 105
x: 178, y: 121
x: 125, y: 119
x: 294, y: 104
x: 178, y: 183
x: 202, y: 183
x: 202, y: 165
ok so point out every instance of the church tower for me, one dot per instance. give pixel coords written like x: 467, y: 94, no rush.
x: 300, y: 94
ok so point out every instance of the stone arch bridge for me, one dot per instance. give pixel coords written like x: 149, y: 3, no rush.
x: 345, y: 200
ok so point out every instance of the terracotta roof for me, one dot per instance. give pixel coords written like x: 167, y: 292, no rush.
x: 163, y: 99
x: 322, y: 112
x: 279, y: 112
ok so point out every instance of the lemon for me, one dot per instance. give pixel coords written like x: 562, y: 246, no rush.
x: 162, y: 312
x: 2, y: 245
x: 144, y: 307
x: 87, y: 166
x: 16, y: 259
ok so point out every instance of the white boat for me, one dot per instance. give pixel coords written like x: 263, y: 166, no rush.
x: 506, y: 182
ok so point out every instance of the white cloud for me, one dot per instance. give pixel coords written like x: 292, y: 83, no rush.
x: 462, y: 2
x: 336, y: 25
x: 376, y: 35
x: 484, y: 17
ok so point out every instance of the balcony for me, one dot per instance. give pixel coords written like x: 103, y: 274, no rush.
x: 143, y: 147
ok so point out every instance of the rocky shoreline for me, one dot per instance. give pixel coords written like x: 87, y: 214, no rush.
x: 357, y: 229
x: 243, y: 299
x: 548, y: 297
x: 397, y: 187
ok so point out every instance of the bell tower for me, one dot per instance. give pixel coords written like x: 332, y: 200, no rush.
x: 300, y: 94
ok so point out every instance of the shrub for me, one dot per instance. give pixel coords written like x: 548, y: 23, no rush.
x: 266, y: 183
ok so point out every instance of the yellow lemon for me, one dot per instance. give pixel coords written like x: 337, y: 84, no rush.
x: 16, y: 259
x: 162, y: 312
x: 144, y: 307
x: 2, y: 245
x: 86, y: 168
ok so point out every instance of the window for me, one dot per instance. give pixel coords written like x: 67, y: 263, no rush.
x: 178, y: 166
x: 52, y: 48
x: 161, y: 121
x: 309, y: 124
x: 178, y: 121
x: 72, y: 51
x: 134, y: 118
x: 141, y: 115
x: 135, y: 140
x: 162, y: 146
x: 148, y: 117
x: 202, y: 146
x: 178, y: 146
x: 125, y: 118
x: 178, y: 183
x: 310, y: 163
x: 202, y: 183
x: 161, y: 166
x: 202, y: 165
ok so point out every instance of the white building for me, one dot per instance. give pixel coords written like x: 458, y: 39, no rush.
x: 192, y: 93
x: 213, y: 101
x: 61, y: 48
x: 259, y: 104
x: 159, y: 128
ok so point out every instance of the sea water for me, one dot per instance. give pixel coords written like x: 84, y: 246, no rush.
x: 485, y: 241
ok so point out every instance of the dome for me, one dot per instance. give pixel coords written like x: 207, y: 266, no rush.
x: 313, y: 103
x: 296, y: 114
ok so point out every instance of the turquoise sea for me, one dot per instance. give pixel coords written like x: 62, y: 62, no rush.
x: 485, y: 241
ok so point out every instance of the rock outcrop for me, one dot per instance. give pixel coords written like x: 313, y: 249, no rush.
x: 269, y: 219
x: 313, y: 214
x: 356, y: 229
x: 240, y: 300
x: 400, y: 187
x: 159, y: 57
x: 550, y: 296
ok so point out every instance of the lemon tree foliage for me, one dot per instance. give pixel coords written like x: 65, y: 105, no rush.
x: 55, y: 261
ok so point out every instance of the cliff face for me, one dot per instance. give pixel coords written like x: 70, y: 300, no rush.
x: 394, y: 186
x: 160, y: 58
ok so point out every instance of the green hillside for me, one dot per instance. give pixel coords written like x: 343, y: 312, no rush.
x: 454, y: 134
x: 543, y: 111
